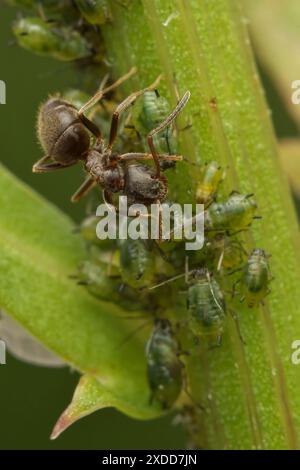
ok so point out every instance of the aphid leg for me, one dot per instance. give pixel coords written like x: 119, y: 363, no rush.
x: 220, y: 262
x: 169, y: 119
x: 41, y: 166
x: 234, y: 271
x: 83, y: 189
x: 186, y: 270
x: 218, y: 344
x: 237, y: 323
x: 122, y: 107
x: 186, y: 389
x: 234, y: 288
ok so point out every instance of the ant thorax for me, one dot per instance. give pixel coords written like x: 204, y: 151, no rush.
x: 109, y: 175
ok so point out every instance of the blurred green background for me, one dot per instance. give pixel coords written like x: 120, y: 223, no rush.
x: 32, y: 398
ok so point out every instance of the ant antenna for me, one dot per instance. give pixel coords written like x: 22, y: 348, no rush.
x: 98, y: 96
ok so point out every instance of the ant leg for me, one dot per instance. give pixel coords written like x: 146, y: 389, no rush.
x: 83, y: 189
x: 169, y: 119
x: 97, y: 97
x: 41, y: 166
x: 93, y: 128
x: 148, y: 156
x: 108, y: 200
x: 123, y: 106
x: 100, y: 93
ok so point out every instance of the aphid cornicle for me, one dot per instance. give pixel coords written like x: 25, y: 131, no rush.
x: 237, y: 213
x: 255, y: 278
x: 211, y: 177
x: 94, y: 11
x: 64, y: 134
x: 43, y: 38
x: 164, y: 368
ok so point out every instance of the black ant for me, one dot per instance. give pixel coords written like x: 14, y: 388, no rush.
x: 64, y: 134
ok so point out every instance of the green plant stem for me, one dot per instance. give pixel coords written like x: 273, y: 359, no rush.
x: 250, y: 392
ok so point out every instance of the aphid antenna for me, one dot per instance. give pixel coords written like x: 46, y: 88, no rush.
x: 73, y: 276
x: 83, y: 283
x: 167, y: 281
x: 133, y: 333
x: 212, y: 292
x: 235, y: 270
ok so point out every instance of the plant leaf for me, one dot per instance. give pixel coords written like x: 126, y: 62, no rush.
x: 275, y: 28
x: 37, y: 254
x: 91, y: 396
x: 289, y: 152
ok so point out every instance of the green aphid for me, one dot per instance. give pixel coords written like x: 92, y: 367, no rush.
x: 255, y: 278
x: 206, y: 306
x: 94, y: 11
x: 104, y: 282
x: 137, y: 263
x: 147, y: 114
x: 237, y: 213
x: 224, y: 252
x: 164, y: 368
x: 87, y: 229
x: 48, y: 39
x: 95, y: 276
x: 211, y: 177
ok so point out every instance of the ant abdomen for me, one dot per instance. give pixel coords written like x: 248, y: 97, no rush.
x: 62, y: 135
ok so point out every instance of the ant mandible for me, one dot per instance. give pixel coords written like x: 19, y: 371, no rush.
x: 64, y: 135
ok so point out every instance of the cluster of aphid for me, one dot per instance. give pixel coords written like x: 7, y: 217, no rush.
x: 139, y: 274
